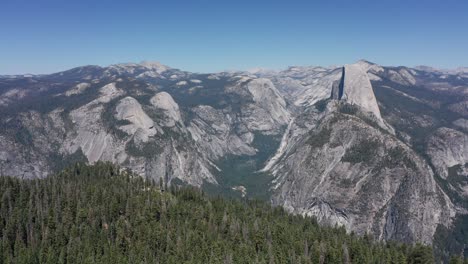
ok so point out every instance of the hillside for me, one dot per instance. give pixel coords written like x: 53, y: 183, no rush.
x: 102, y: 214
x: 380, y: 150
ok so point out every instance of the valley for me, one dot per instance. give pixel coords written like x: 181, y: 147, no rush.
x: 378, y: 150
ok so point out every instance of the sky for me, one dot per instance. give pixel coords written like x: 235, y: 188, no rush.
x: 207, y: 36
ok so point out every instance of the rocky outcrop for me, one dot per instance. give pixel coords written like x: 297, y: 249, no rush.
x: 302, y: 87
x: 344, y: 171
x: 268, y: 98
x: 262, y: 107
x: 166, y: 103
x: 79, y: 88
x: 107, y: 93
x: 141, y: 125
x: 401, y: 76
x: 460, y: 108
x: 88, y: 133
x: 355, y: 88
x: 447, y: 148
x: 461, y: 124
x: 16, y: 160
x: 212, y: 129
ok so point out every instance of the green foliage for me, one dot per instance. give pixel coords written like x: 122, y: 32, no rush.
x: 61, y: 161
x: 396, y: 155
x: 363, y: 152
x: 110, y: 122
x: 453, y: 184
x: 317, y: 140
x: 403, y: 112
x: 452, y: 241
x: 101, y: 214
x: 244, y: 170
x: 366, y: 151
x: 456, y: 260
x: 348, y: 109
x: 354, y: 110
x: 212, y: 93
x: 456, y: 177
x: 321, y: 105
x: 23, y: 136
x: 148, y: 149
x: 421, y: 255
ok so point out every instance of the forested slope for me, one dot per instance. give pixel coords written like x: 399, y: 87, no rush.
x: 101, y: 214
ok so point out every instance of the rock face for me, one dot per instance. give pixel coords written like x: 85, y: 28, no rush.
x: 337, y: 165
x: 88, y: 135
x: 447, y: 148
x: 355, y: 88
x: 376, y: 149
x: 268, y: 98
x: 114, y: 116
x: 141, y: 125
x: 166, y: 103
x: 461, y: 124
x: 302, y: 87
x: 212, y: 129
x: 345, y: 171
x: 79, y: 88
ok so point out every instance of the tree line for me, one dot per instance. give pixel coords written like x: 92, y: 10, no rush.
x: 103, y: 214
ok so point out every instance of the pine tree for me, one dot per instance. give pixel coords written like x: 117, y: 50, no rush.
x: 99, y: 214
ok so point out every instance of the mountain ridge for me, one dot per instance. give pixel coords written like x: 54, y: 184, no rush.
x: 287, y: 136
x: 255, y: 70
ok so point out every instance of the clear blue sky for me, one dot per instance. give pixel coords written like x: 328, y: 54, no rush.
x: 43, y: 36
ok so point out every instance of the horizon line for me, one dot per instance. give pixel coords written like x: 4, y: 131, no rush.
x: 436, y: 68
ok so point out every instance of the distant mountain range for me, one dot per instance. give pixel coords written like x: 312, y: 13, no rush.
x: 379, y: 150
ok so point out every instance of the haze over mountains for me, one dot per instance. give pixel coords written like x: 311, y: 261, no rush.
x: 380, y: 150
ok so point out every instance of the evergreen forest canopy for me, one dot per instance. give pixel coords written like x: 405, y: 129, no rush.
x: 102, y: 214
